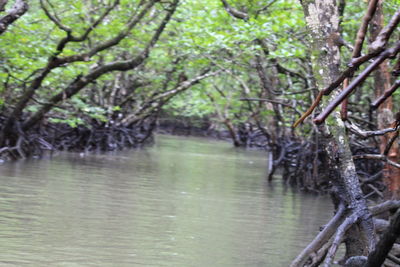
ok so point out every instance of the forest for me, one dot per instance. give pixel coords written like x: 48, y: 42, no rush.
x: 311, y: 82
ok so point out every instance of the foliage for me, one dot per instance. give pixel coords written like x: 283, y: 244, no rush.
x: 201, y: 37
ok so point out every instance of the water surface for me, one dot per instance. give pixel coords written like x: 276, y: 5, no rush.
x: 182, y: 202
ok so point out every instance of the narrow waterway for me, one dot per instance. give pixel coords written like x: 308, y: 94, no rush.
x: 182, y: 202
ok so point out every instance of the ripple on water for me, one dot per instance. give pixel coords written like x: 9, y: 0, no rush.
x: 182, y: 202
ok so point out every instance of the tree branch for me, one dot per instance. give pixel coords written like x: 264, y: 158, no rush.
x: 234, y: 12
x: 321, y: 238
x: 164, y: 97
x: 271, y: 101
x: 377, y: 156
x: 55, y: 62
x: 106, y: 44
x: 80, y: 82
x: 385, y: 95
x: 3, y: 4
x: 18, y: 9
x: 356, y: 82
x: 385, y: 244
x: 366, y: 134
x: 383, y: 37
x: 384, y: 207
x: 55, y: 19
x: 363, y: 28
x: 341, y: 231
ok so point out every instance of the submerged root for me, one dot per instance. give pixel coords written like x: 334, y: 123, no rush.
x: 325, y: 246
x: 95, y: 137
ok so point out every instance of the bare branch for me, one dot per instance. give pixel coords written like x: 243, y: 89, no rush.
x: 363, y: 28
x: 383, y: 37
x: 385, y: 95
x: 341, y: 231
x: 321, y: 238
x: 366, y: 134
x: 345, y: 74
x: 394, y: 259
x: 186, y: 84
x: 396, y: 68
x: 234, y: 12
x: 384, y: 207
x: 356, y: 82
x: 356, y: 62
x: 377, y: 156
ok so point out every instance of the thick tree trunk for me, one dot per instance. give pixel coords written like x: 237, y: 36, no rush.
x: 322, y: 19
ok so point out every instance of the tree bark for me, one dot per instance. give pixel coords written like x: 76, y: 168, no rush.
x: 322, y: 19
x: 18, y: 9
x: 391, y: 174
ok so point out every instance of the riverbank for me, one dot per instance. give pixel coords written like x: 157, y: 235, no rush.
x: 79, y: 138
x: 298, y: 160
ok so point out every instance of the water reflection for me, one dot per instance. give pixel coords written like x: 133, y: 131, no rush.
x: 182, y: 202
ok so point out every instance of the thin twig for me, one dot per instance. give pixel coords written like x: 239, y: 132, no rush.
x: 310, y: 110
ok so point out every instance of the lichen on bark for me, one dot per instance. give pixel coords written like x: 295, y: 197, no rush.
x: 322, y: 17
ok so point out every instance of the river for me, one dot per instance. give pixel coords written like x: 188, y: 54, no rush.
x: 181, y: 202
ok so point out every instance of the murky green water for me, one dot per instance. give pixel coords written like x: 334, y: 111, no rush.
x: 183, y: 202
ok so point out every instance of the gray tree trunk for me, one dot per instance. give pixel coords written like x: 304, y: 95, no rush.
x: 322, y: 17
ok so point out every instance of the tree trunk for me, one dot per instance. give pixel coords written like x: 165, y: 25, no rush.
x: 391, y: 174
x: 19, y: 8
x: 322, y: 19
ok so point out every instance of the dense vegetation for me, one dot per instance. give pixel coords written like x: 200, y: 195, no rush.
x: 101, y: 75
